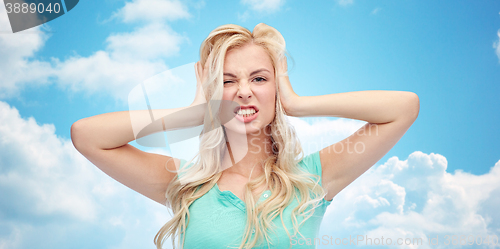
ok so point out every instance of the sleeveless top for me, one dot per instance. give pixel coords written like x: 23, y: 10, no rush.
x: 218, y: 218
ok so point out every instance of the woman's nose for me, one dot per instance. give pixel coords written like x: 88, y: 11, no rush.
x: 244, y: 91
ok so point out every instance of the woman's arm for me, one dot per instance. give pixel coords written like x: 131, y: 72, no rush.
x: 104, y: 138
x: 389, y: 115
x: 375, y: 106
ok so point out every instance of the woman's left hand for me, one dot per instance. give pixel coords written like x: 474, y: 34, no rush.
x: 289, y: 99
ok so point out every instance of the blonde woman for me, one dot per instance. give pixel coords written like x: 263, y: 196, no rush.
x: 250, y: 185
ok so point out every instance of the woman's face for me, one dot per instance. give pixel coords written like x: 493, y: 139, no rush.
x: 249, y: 81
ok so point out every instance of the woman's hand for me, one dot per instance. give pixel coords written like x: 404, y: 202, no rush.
x: 289, y: 99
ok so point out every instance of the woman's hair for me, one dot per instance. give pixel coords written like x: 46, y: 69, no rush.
x: 282, y: 175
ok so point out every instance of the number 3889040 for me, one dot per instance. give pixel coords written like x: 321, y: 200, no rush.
x: 32, y: 8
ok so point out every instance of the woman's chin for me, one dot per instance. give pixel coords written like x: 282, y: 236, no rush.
x: 235, y: 126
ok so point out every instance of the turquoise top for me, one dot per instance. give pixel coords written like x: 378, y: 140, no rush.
x: 218, y: 218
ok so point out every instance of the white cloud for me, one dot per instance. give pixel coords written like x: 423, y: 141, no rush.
x: 345, y: 2
x: 36, y: 170
x: 128, y: 59
x: 496, y: 45
x: 16, y: 67
x: 102, y: 74
x: 149, y: 42
x: 153, y: 11
x: 48, y: 188
x: 268, y: 6
x: 416, y: 198
x: 41, y: 176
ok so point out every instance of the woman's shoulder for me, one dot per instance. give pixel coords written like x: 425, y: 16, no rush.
x: 311, y: 163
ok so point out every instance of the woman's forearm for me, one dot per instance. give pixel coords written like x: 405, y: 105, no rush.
x: 375, y: 106
x: 115, y: 129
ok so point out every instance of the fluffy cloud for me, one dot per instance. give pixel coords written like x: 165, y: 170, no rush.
x: 41, y: 177
x: 264, y: 5
x: 153, y: 11
x: 16, y: 67
x: 128, y: 58
x: 150, y: 42
x: 53, y: 197
x: 416, y: 198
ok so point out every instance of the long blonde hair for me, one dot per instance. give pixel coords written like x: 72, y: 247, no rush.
x: 281, y: 172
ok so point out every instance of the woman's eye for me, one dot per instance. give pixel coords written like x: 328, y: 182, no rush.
x: 227, y: 82
x: 260, y: 79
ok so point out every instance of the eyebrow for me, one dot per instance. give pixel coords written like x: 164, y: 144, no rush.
x: 253, y: 73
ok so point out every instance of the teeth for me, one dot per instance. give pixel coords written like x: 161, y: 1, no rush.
x: 243, y: 112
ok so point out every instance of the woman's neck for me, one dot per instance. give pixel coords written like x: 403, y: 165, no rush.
x: 248, y: 152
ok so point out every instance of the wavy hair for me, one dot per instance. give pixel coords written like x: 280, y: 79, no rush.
x: 282, y: 175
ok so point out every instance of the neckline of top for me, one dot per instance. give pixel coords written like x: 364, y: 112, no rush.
x: 267, y: 192
x: 264, y: 194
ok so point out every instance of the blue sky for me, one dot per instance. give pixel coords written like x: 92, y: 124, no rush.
x: 86, y: 62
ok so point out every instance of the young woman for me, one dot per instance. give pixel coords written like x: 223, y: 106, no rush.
x: 250, y: 186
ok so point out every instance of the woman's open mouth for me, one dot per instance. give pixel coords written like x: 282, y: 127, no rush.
x: 246, y: 113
